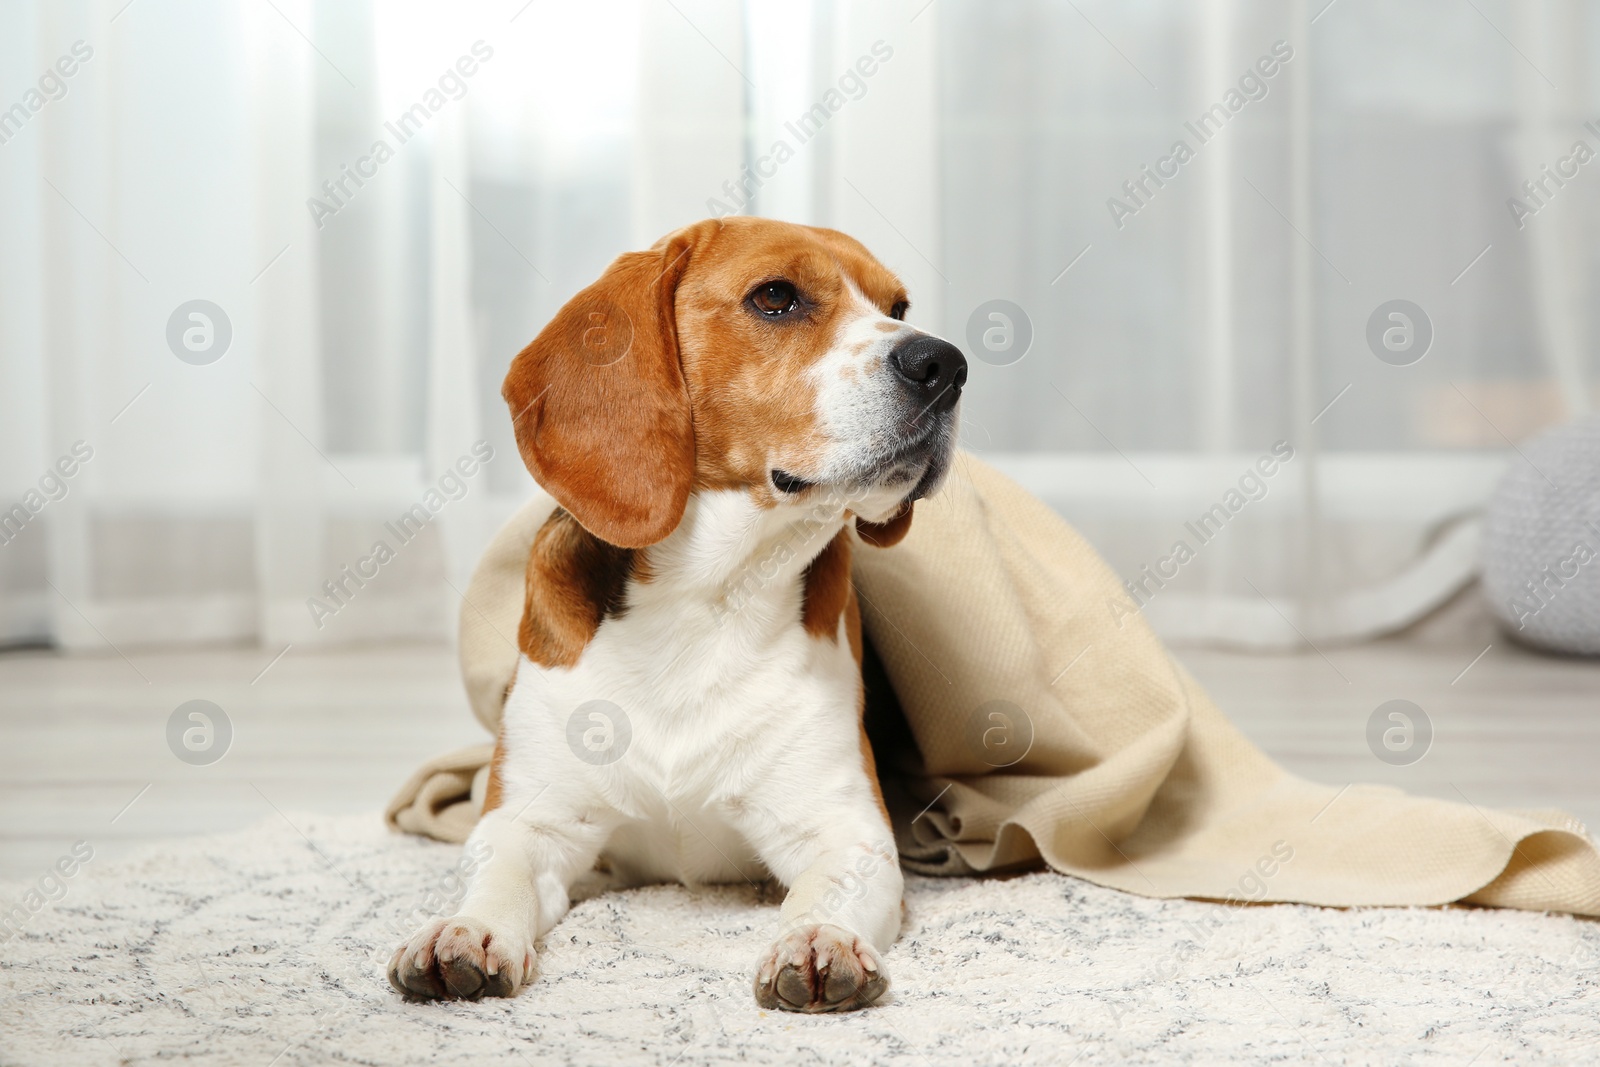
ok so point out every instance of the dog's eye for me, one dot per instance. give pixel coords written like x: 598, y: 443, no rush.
x: 774, y: 299
x: 899, y: 310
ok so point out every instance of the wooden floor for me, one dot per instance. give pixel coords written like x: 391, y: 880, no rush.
x: 82, y: 737
x: 86, y: 754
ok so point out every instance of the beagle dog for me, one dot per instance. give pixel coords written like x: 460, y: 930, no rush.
x: 720, y: 419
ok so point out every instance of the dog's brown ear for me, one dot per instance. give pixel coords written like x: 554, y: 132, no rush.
x: 888, y: 533
x: 599, y: 405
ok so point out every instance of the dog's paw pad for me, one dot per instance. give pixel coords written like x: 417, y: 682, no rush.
x: 458, y: 959
x: 820, y: 968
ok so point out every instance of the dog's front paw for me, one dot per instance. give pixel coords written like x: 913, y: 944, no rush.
x: 460, y: 958
x: 820, y: 968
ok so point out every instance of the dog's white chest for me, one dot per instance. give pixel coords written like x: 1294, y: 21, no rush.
x: 679, y: 715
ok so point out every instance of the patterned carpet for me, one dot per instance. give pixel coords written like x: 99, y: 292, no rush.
x: 266, y: 947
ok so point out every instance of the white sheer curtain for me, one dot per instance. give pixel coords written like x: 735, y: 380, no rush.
x: 974, y: 146
x: 1231, y: 309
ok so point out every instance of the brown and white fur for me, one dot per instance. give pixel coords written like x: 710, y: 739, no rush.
x: 722, y: 419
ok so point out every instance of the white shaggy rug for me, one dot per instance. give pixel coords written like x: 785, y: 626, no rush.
x: 266, y: 947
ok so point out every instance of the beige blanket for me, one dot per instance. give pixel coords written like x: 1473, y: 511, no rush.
x: 1050, y: 725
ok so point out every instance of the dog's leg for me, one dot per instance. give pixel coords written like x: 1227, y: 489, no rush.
x: 514, y: 898
x: 842, y: 911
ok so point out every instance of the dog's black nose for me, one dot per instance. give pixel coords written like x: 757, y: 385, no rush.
x: 935, y: 369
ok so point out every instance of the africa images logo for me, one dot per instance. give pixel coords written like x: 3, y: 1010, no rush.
x: 1254, y: 84
x: 337, y: 191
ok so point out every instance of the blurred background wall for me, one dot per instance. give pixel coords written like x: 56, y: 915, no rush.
x: 263, y: 264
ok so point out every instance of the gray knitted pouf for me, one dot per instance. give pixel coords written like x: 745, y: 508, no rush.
x: 1541, y: 541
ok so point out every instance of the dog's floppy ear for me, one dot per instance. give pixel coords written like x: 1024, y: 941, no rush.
x: 888, y: 533
x: 599, y: 405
